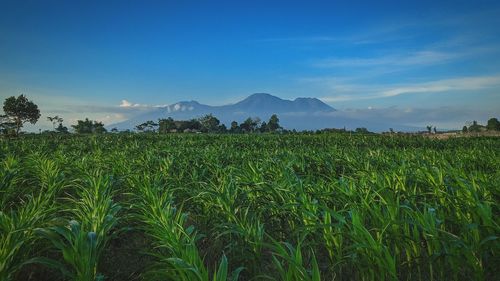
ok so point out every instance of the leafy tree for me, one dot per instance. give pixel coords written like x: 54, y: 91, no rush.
x: 62, y: 129
x: 234, y: 127
x: 222, y: 128
x: 475, y: 127
x: 19, y: 111
x: 464, y: 129
x: 147, y: 126
x: 55, y: 120
x: 183, y: 125
x: 429, y: 129
x: 493, y: 124
x: 273, y: 123
x: 250, y: 125
x: 362, y: 131
x: 7, y: 126
x: 89, y: 127
x: 263, y: 127
x: 166, y: 125
x: 193, y: 124
x: 209, y: 123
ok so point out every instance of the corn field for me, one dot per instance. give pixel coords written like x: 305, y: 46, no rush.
x: 249, y: 207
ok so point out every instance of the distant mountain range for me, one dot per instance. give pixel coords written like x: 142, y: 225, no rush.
x: 299, y: 114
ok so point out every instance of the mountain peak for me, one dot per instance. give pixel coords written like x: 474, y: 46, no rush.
x: 264, y: 102
x: 261, y: 97
x: 261, y: 105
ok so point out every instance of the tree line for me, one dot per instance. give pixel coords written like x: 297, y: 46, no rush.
x: 491, y: 125
x: 20, y: 110
x: 210, y: 124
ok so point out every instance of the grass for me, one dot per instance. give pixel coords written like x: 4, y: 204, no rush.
x: 249, y: 207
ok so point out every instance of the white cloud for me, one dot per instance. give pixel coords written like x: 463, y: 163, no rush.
x: 364, y: 92
x: 455, y: 84
x: 425, y: 57
x: 126, y: 103
x: 443, y: 117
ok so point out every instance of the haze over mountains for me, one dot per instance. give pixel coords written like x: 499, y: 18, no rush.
x: 299, y: 114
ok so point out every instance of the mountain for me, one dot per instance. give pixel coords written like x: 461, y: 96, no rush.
x: 265, y: 103
x: 299, y: 114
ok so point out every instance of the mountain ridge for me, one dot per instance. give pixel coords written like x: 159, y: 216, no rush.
x: 302, y: 113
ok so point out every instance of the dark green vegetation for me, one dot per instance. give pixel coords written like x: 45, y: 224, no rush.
x: 268, y: 207
x: 17, y: 111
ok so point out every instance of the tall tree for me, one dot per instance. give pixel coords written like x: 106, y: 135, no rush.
x: 209, y: 123
x: 249, y: 125
x: 264, y: 127
x: 221, y: 128
x: 7, y: 126
x: 149, y: 126
x: 166, y: 125
x: 89, y: 127
x: 493, y: 124
x: 274, y: 123
x: 475, y: 127
x: 55, y: 120
x: 234, y: 127
x: 19, y: 111
x: 62, y: 129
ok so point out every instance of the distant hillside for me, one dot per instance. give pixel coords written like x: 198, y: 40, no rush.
x: 299, y: 114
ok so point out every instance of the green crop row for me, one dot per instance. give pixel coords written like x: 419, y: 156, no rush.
x: 249, y: 207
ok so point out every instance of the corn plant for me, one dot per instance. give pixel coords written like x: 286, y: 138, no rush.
x: 17, y: 225
x: 290, y: 265
x: 368, y: 207
x: 177, y: 255
x: 82, y: 240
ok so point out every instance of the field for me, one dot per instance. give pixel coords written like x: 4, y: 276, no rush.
x: 260, y: 207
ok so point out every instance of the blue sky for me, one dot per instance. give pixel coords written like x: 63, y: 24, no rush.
x: 420, y: 62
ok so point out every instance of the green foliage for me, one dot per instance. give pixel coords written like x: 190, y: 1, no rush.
x: 493, y: 124
x: 362, y: 131
x: 61, y: 129
x: 19, y: 111
x: 234, y: 127
x: 89, y: 127
x: 166, y: 125
x: 273, y: 124
x: 22, y: 213
x: 249, y: 207
x: 82, y: 241
x: 209, y: 123
x: 475, y: 127
x: 148, y: 126
x: 250, y: 124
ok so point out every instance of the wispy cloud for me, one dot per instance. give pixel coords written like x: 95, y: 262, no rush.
x: 363, y: 92
x: 408, y: 59
x: 444, y: 117
x: 380, y: 33
x: 128, y: 104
